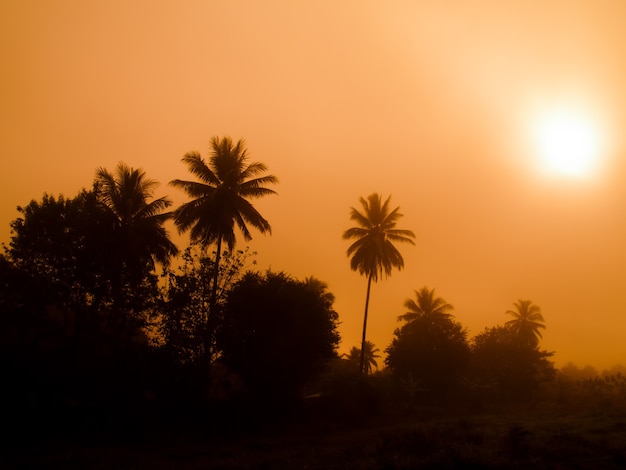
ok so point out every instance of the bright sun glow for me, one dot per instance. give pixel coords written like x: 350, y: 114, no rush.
x: 568, y: 143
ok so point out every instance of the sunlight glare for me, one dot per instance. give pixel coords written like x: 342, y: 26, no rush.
x: 568, y: 143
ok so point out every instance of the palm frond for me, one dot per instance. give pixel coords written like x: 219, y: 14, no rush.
x: 220, y: 198
x: 198, y: 167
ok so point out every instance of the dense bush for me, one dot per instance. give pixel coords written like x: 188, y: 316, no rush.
x: 277, y: 332
x: 435, y: 354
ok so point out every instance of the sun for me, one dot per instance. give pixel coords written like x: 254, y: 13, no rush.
x: 568, y: 143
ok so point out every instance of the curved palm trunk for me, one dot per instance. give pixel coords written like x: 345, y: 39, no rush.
x: 367, y: 301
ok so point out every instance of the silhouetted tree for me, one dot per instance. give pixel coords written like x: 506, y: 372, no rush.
x: 373, y: 253
x: 220, y: 199
x: 139, y: 236
x: 510, y: 368
x: 321, y: 288
x: 371, y: 354
x: 426, y: 306
x: 186, y: 309
x: 527, y: 321
x: 572, y: 372
x: 56, y: 299
x: 433, y: 354
x: 58, y: 243
x: 277, y: 332
x: 136, y: 238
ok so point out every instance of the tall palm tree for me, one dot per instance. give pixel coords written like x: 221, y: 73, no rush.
x: 139, y: 237
x: 371, y: 354
x: 426, y: 306
x: 527, y: 321
x: 220, y: 198
x: 373, y: 253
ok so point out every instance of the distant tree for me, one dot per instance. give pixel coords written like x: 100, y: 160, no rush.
x: 527, y: 321
x: 220, y: 199
x: 617, y: 369
x: 426, y: 306
x: 572, y: 372
x: 371, y: 354
x: 373, y: 252
x: 510, y: 368
x: 277, y: 332
x: 435, y: 355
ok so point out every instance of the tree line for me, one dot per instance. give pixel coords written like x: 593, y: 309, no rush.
x: 88, y: 321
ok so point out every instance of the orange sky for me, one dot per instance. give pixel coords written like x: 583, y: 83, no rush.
x: 429, y: 101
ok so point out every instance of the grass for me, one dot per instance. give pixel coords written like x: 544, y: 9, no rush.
x: 427, y: 438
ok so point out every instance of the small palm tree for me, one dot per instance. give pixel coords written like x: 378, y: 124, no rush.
x: 371, y: 354
x: 373, y: 251
x: 527, y: 321
x: 426, y: 306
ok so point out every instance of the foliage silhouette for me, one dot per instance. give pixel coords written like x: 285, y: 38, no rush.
x: 74, y: 263
x: 572, y: 372
x: 220, y: 199
x: 426, y: 306
x: 76, y: 296
x: 373, y: 251
x: 277, y: 332
x: 138, y: 234
x: 60, y: 244
x: 527, y: 321
x: 186, y: 309
x: 434, y: 354
x: 371, y: 354
x: 136, y: 237
x: 507, y: 368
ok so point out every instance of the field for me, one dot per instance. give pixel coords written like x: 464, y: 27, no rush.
x: 594, y: 437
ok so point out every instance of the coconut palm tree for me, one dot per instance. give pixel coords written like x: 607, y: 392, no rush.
x: 426, y: 306
x: 373, y: 251
x: 527, y: 321
x: 139, y: 238
x: 220, y: 198
x: 132, y: 241
x: 371, y: 354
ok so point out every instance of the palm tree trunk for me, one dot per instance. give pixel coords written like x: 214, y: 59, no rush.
x: 367, y: 301
x: 213, y: 302
x: 216, y: 274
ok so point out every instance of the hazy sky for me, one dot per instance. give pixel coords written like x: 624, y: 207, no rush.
x: 435, y: 103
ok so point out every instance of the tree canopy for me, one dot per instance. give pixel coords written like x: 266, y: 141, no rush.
x: 434, y: 354
x: 277, y: 332
x: 220, y: 197
x: 507, y: 367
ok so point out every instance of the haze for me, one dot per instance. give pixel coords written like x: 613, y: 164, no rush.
x: 432, y: 102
